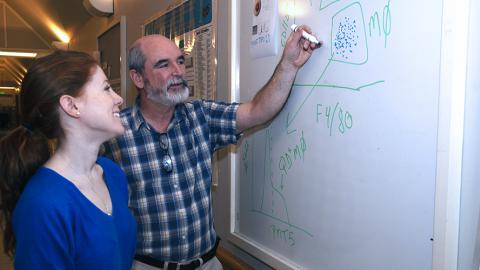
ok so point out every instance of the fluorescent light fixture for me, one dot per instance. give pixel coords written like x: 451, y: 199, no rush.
x: 9, y: 90
x: 18, y: 54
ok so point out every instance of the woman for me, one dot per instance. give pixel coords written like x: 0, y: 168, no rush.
x: 65, y: 209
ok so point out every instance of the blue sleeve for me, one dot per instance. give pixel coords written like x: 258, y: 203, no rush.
x: 43, y: 237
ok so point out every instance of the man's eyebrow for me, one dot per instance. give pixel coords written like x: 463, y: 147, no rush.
x: 160, y: 62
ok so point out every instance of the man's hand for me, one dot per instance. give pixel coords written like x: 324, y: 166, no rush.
x: 297, y: 49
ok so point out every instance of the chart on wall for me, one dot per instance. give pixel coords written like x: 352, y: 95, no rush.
x: 192, y: 26
x: 344, y: 176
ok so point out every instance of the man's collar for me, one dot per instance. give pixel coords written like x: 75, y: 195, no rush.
x: 138, y: 120
x: 137, y: 116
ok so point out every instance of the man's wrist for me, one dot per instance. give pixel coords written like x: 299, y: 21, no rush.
x: 287, y: 66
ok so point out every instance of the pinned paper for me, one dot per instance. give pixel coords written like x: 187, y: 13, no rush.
x: 264, y: 28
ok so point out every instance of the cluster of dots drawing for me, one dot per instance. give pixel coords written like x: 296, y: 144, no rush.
x: 346, y: 38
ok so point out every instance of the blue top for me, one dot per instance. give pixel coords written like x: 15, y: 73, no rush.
x: 57, y: 227
x: 174, y: 209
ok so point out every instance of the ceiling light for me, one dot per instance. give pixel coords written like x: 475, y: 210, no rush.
x: 9, y: 90
x: 100, y: 8
x: 18, y: 54
x: 62, y: 35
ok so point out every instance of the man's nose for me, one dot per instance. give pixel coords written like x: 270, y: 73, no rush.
x: 177, y: 69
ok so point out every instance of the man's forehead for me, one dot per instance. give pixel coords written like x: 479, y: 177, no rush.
x: 157, y: 47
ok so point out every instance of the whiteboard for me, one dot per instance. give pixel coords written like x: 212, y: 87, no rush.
x: 344, y: 176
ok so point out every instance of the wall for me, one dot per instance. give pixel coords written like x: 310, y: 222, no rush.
x: 86, y: 39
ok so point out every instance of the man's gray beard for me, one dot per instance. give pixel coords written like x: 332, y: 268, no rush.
x: 166, y: 98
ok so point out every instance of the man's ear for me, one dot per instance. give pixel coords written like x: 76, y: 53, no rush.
x: 137, y: 78
x: 67, y: 103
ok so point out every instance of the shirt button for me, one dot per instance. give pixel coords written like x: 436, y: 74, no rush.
x: 175, y: 186
x: 183, y: 237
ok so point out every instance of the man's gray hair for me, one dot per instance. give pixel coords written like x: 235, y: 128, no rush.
x: 136, y: 58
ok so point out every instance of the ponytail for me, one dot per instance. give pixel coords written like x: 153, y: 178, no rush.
x: 23, y: 151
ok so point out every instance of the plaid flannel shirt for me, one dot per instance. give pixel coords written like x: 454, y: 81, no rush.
x: 174, y: 210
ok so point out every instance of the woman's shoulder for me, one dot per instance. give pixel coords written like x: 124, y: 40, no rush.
x: 45, y: 193
x: 46, y: 185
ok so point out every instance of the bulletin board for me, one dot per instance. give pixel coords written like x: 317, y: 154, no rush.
x: 192, y: 26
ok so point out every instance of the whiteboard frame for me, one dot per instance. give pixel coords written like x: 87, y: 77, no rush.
x: 453, y: 72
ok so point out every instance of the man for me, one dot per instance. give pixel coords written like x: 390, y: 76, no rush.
x: 167, y: 148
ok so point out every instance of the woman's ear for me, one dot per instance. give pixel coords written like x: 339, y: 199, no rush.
x: 67, y: 103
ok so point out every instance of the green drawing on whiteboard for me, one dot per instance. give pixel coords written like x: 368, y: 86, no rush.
x: 245, y: 156
x: 285, y: 235
x: 385, y: 26
x: 335, y: 116
x: 290, y: 156
x: 358, y: 88
x: 272, y: 202
x: 285, y: 29
x: 349, y: 40
x: 326, y: 3
x: 348, y: 46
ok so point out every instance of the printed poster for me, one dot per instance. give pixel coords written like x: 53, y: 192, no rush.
x: 264, y: 28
